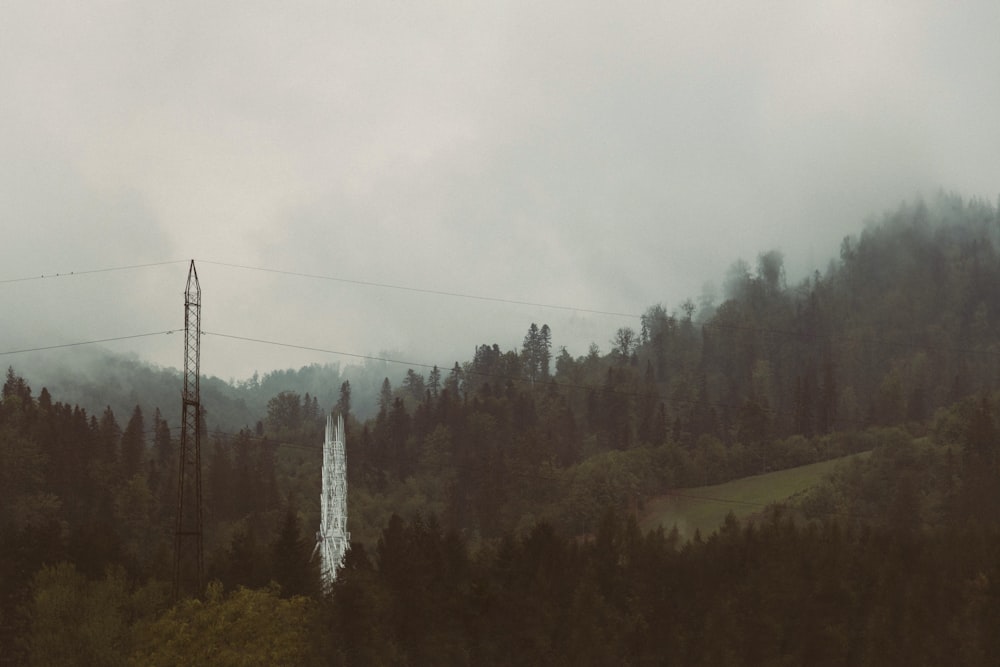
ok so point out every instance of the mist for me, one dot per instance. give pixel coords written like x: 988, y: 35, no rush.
x: 590, y: 158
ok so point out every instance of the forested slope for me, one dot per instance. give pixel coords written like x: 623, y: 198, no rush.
x: 490, y: 503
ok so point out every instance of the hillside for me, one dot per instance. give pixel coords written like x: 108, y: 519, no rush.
x: 704, y: 508
x: 95, y: 378
x: 470, y: 482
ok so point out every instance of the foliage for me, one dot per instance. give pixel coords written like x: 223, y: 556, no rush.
x: 487, y: 494
x: 243, y: 628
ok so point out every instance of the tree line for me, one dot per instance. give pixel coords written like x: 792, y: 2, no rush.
x: 492, y: 504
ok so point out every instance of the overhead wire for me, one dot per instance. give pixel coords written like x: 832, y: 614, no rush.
x: 67, y: 274
x: 804, y: 335
x: 86, y: 342
x: 444, y: 293
x: 414, y: 364
x: 707, y: 325
x: 421, y: 290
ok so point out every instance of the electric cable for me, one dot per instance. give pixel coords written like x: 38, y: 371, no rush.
x: 87, y: 342
x: 68, y: 274
x: 420, y: 290
x: 802, y: 335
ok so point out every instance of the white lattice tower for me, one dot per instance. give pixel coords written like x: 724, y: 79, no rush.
x: 333, y: 540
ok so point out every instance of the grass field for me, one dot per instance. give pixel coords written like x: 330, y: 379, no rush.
x: 705, y: 507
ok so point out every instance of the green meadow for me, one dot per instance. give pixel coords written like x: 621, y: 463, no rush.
x: 704, y: 508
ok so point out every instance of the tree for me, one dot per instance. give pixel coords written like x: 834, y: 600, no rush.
x: 529, y: 352
x: 133, y: 445
x: 828, y: 398
x: 771, y: 271
x: 413, y: 383
x: 245, y: 564
x: 76, y: 621
x: 545, y: 350
x: 310, y: 409
x: 16, y: 394
x: 284, y: 414
x: 623, y: 342
x: 384, y: 399
x: 134, y: 513
x: 249, y: 492
x: 344, y: 402
x: 454, y: 382
x: 163, y: 474
x: 109, y: 437
x: 398, y: 432
x: 220, y: 481
x: 292, y: 567
x: 434, y: 381
x: 688, y: 307
x: 246, y: 628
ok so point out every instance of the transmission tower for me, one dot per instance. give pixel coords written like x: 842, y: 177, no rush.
x: 333, y: 540
x: 188, y: 544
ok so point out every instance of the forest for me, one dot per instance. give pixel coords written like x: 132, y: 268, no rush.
x: 494, y: 505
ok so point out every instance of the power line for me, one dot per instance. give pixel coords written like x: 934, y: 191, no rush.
x: 318, y: 349
x: 413, y: 364
x: 422, y: 290
x: 802, y: 335
x: 87, y: 342
x: 708, y: 325
x: 90, y: 271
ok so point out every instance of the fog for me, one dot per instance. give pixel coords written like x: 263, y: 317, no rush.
x: 590, y: 157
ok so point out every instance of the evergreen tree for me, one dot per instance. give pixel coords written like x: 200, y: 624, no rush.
x: 109, y: 437
x: 434, y: 382
x: 545, y: 351
x: 343, y: 406
x: 454, y: 382
x: 220, y: 481
x: 292, y: 567
x: 384, y: 399
x: 133, y: 445
x: 413, y: 384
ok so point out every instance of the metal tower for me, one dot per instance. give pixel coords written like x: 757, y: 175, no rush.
x: 333, y: 540
x: 188, y: 544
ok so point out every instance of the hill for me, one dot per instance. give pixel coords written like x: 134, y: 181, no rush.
x: 95, y: 378
x: 482, y: 476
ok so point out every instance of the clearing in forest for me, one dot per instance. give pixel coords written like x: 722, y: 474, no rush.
x: 704, y: 508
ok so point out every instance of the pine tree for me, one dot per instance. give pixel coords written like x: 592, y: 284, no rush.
x: 384, y: 399
x: 133, y: 445
x: 108, y: 441
x: 545, y: 351
x: 343, y: 407
x: 434, y: 381
x: 292, y: 567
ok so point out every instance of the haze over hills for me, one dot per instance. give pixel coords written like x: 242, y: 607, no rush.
x: 571, y: 258
x: 793, y: 327
x: 95, y: 377
x: 506, y: 488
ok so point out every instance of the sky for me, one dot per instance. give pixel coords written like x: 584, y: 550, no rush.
x: 598, y: 157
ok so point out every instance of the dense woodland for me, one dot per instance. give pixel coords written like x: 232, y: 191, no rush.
x: 493, y: 505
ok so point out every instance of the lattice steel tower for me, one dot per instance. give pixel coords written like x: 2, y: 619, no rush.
x: 333, y: 540
x: 188, y: 544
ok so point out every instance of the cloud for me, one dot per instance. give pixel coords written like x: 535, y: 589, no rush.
x: 588, y: 155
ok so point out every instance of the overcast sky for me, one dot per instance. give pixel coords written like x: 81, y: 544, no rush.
x: 602, y: 156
